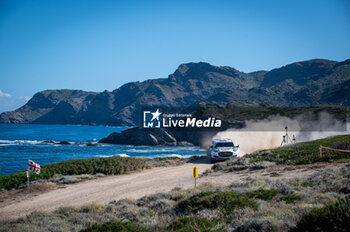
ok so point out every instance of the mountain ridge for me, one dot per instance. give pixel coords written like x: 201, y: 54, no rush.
x: 304, y: 83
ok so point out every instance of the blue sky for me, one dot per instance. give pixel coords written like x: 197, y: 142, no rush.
x: 98, y: 45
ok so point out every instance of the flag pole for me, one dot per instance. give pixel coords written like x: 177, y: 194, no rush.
x: 27, y: 178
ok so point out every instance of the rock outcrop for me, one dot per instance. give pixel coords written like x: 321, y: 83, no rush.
x: 143, y: 136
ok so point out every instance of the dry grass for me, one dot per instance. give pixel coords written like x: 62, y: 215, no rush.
x: 6, y: 197
x: 160, y: 211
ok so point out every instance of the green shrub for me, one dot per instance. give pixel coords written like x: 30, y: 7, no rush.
x: 116, y: 226
x: 335, y: 218
x: 16, y: 179
x: 189, y: 224
x: 254, y: 160
x: 303, y: 153
x: 227, y: 201
x: 13, y: 180
x: 289, y: 199
x: 107, y: 166
x: 257, y: 224
x: 263, y: 194
x: 307, y: 184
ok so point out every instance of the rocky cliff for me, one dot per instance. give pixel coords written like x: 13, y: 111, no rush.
x: 313, y: 82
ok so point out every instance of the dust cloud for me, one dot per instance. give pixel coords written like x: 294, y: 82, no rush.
x: 268, y: 133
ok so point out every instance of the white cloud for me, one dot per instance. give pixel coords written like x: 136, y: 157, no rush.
x: 26, y: 98
x: 2, y: 94
x: 9, y: 102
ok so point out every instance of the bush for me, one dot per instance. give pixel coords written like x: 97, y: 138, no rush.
x: 289, y: 199
x: 258, y: 224
x: 329, y: 180
x: 73, y: 179
x: 116, y: 226
x: 263, y: 194
x: 345, y: 145
x: 107, y: 166
x: 304, y: 153
x: 227, y: 201
x: 307, y: 184
x: 335, y: 218
x: 241, y: 163
x: 13, y: 180
x: 16, y: 179
x: 189, y: 224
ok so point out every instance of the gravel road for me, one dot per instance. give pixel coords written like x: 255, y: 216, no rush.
x: 133, y: 186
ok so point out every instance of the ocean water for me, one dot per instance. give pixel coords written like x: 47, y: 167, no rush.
x: 20, y: 142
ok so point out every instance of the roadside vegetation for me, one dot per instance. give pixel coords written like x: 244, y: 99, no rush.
x: 261, y: 204
x: 305, y: 153
x: 334, y: 217
x: 72, y: 171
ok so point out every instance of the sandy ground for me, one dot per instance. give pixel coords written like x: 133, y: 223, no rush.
x: 133, y: 186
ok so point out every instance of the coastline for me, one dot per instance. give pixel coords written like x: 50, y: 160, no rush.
x: 47, y: 144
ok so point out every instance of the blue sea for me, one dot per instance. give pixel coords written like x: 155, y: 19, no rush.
x: 21, y: 142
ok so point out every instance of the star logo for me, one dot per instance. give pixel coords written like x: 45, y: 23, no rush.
x: 155, y: 115
x: 151, y: 119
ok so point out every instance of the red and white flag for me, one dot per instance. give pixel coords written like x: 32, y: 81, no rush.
x: 33, y: 167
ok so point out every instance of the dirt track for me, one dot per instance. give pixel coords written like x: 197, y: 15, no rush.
x: 104, y: 190
x: 136, y: 185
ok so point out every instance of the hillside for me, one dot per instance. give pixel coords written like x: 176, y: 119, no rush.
x: 311, y: 82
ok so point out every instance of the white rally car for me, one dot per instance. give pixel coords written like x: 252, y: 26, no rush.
x: 222, y: 149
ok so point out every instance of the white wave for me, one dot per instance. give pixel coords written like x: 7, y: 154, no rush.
x: 148, y: 150
x: 166, y: 149
x: 169, y: 155
x: 105, y: 145
x: 46, y: 142
x: 6, y: 142
x: 123, y: 155
x: 138, y: 150
x: 182, y: 156
x: 106, y: 156
x: 33, y: 142
x: 191, y: 148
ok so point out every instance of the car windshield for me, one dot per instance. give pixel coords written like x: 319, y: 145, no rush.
x: 225, y: 144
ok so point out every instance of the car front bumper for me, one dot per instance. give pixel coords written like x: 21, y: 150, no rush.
x: 218, y: 157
